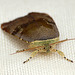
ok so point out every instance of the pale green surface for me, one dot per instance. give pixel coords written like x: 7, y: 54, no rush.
x: 43, y: 42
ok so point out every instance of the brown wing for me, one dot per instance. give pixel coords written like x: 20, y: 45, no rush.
x: 34, y: 26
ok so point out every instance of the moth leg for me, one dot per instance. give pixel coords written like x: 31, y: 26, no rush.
x: 34, y: 53
x: 18, y: 51
x: 61, y: 54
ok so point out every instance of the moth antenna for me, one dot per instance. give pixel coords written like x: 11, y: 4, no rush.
x: 62, y: 41
x: 19, y: 51
x: 13, y: 53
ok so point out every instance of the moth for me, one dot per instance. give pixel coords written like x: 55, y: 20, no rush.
x: 37, y: 29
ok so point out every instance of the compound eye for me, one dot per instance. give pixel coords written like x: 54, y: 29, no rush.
x: 44, y: 47
x: 50, y: 46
